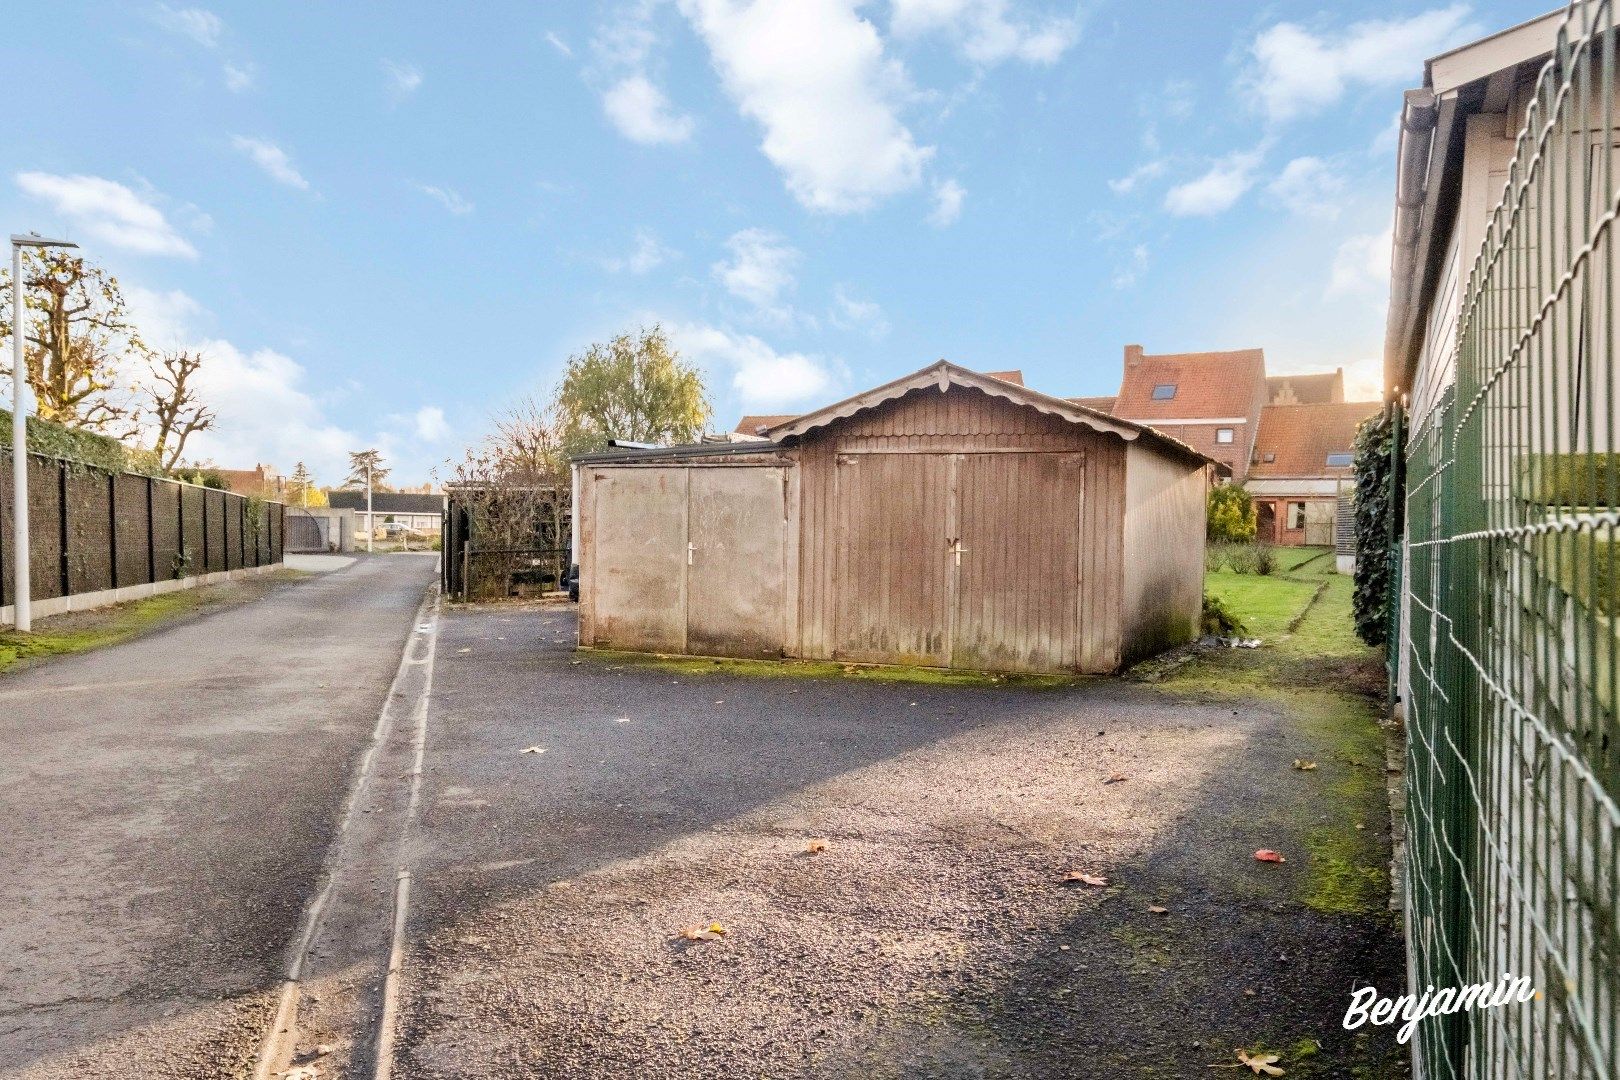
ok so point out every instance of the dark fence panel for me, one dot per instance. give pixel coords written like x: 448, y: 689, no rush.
x: 130, y: 525
x: 191, y: 530
x: 231, y: 513
x: 277, y: 514
x: 89, y: 518
x: 166, y: 539
x: 44, y: 528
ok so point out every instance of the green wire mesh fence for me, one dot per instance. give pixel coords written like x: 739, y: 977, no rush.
x: 1512, y: 587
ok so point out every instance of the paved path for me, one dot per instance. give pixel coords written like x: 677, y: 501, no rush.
x: 167, y: 806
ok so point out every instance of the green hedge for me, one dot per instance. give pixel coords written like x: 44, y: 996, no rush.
x: 1571, y: 479
x: 53, y: 440
x: 1378, y: 515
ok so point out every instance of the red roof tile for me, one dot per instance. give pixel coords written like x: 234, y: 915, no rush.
x: 1209, y: 385
x: 1101, y: 404
x: 1319, y: 389
x: 1015, y: 376
x: 756, y: 423
x: 1300, y: 437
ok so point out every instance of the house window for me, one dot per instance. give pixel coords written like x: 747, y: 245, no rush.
x: 1340, y: 461
x: 1164, y: 391
x: 1296, y: 515
x: 1223, y: 435
x: 1269, y: 458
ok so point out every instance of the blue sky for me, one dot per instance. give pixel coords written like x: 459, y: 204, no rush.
x: 381, y: 222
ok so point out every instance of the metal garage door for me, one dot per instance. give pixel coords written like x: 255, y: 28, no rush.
x: 688, y: 560
x: 960, y: 560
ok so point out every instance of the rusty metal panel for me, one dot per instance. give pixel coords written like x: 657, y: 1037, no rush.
x: 638, y: 559
x: 1018, y: 567
x: 735, y: 565
x: 891, y: 562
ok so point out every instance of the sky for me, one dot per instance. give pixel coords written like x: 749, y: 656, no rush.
x: 383, y: 223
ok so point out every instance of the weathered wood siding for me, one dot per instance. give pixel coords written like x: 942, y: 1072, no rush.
x: 1164, y: 545
x: 1043, y: 548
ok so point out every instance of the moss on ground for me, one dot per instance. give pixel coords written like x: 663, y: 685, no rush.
x: 694, y: 666
x: 1327, y: 680
x: 81, y: 631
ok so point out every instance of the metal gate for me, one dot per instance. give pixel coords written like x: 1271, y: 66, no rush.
x: 1512, y: 584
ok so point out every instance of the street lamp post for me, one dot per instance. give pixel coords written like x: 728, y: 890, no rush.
x: 21, y: 601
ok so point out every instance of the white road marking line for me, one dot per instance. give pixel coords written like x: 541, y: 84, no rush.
x: 282, y: 1036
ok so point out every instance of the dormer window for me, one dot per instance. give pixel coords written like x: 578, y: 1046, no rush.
x: 1164, y: 391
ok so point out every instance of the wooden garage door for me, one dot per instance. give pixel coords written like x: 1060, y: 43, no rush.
x: 735, y: 573
x: 891, y: 567
x: 960, y: 560
x: 1018, y: 582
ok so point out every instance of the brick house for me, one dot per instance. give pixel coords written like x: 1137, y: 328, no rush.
x: 1303, y: 461
x: 1209, y: 400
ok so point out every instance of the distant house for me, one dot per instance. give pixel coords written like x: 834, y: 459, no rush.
x: 423, y: 513
x: 1303, y: 461
x: 261, y: 480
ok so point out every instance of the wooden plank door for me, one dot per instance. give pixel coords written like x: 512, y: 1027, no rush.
x: 1017, y: 590
x: 735, y: 572
x: 892, y: 573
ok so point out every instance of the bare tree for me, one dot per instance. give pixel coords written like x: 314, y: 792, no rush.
x: 77, y: 334
x: 517, y: 491
x: 176, y: 408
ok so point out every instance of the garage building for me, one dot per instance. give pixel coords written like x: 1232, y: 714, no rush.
x: 946, y: 519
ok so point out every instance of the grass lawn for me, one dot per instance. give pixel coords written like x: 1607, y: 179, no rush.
x: 1270, y: 603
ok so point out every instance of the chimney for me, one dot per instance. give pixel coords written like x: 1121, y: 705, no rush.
x: 1133, y: 355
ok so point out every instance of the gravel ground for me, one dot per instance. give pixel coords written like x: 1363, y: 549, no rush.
x: 934, y: 936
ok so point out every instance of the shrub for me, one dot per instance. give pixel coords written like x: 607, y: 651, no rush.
x: 1231, y: 515
x: 1219, y: 620
x: 1265, y: 559
x: 1214, y: 557
x: 1378, y: 517
x: 1242, y: 558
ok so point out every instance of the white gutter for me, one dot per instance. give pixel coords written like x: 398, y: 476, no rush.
x: 1418, y: 116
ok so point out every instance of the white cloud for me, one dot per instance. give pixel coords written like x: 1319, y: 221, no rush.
x: 813, y: 75
x: 1216, y: 190
x: 762, y: 378
x: 1131, y: 271
x: 447, y: 197
x: 198, y: 24
x: 1148, y: 170
x: 851, y: 313
x: 760, y: 267
x: 648, y: 255
x: 558, y: 43
x: 1308, y: 187
x: 108, y: 212
x: 1361, y: 265
x: 643, y: 114
x: 1294, y: 72
x: 431, y: 425
x: 165, y: 318
x: 403, y: 79
x: 239, y: 77
x: 272, y: 159
x: 984, y: 30
x: 948, y: 196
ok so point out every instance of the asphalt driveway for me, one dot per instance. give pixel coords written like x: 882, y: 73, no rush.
x: 168, y: 803
x: 934, y: 936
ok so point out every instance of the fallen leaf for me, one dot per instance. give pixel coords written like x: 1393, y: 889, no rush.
x: 1267, y: 855
x: 1261, y: 1063
x: 1304, y: 766
x: 1085, y: 879
x: 716, y: 929
x: 1360, y: 826
x: 1248, y: 992
x: 464, y: 650
x: 532, y: 750
x: 692, y: 933
x: 1157, y: 910
x: 1114, y: 778
x: 816, y: 846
